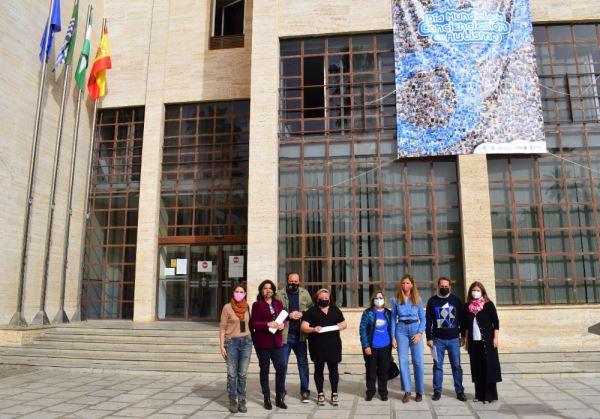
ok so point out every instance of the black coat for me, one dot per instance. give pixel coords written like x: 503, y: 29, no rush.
x: 485, y: 364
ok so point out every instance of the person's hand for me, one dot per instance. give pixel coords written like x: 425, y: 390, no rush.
x: 273, y: 324
x: 280, y: 326
x: 296, y: 315
x: 317, y: 329
x: 223, y: 353
x: 430, y: 343
x: 415, y: 339
x: 394, y: 344
x: 368, y: 351
x: 462, y: 341
x: 495, y: 342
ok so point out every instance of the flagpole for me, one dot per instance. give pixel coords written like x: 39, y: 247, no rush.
x: 18, y: 319
x: 61, y: 316
x: 77, y: 316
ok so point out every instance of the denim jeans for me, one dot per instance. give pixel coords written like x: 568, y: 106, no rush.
x: 238, y: 358
x: 453, y: 348
x: 299, y: 348
x: 404, y: 333
x: 265, y: 356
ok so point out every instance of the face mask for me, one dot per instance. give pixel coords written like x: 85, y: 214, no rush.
x: 444, y: 291
x: 293, y: 287
x: 379, y: 302
x: 323, y: 303
x: 238, y: 296
x: 476, y: 294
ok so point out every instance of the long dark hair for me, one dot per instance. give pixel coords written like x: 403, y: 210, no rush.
x: 262, y: 285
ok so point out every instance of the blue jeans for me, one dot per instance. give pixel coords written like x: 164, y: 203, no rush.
x: 404, y: 333
x: 238, y: 358
x: 453, y: 348
x: 294, y: 343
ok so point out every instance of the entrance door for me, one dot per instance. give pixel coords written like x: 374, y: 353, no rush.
x: 195, y: 280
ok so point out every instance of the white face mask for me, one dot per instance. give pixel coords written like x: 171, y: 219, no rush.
x: 379, y: 302
x: 476, y: 294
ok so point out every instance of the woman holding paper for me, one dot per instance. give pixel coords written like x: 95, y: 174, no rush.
x: 482, y: 331
x: 236, y: 347
x: 267, y: 322
x: 408, y: 325
x: 323, y: 323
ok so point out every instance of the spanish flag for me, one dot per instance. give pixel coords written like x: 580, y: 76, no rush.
x: 97, y: 81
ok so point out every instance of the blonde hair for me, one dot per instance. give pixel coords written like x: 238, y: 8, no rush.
x: 414, y: 293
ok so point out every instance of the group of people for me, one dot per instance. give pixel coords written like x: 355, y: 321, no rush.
x: 285, y: 321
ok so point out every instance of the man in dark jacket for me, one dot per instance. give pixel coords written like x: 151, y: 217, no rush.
x: 443, y: 329
x: 296, y: 300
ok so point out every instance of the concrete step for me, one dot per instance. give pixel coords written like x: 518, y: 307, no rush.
x: 92, y: 337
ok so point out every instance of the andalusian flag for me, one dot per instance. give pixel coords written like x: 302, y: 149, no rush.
x: 97, y: 81
x: 66, y: 51
x: 83, y: 58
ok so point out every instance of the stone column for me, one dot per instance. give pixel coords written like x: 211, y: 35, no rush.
x: 263, y: 164
x: 149, y: 203
x: 476, y: 221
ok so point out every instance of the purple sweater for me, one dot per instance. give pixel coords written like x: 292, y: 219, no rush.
x: 261, y: 315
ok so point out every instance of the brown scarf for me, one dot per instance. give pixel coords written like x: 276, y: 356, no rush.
x: 239, y: 308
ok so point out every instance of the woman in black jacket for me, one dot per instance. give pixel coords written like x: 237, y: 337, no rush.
x: 482, y: 328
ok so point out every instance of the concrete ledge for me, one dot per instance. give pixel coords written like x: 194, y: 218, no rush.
x: 20, y: 337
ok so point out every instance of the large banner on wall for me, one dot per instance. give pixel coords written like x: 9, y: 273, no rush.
x: 465, y: 78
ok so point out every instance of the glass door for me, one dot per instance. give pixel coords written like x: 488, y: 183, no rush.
x: 172, y: 282
x: 195, y: 281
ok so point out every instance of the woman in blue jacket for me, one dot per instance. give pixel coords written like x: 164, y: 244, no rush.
x: 376, y: 339
x: 408, y: 325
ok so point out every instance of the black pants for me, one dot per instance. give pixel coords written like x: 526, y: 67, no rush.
x: 334, y: 376
x: 265, y: 356
x: 378, y: 365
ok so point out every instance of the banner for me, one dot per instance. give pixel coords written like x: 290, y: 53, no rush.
x: 465, y: 78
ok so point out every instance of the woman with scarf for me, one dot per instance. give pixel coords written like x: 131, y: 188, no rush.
x: 482, y: 328
x: 236, y: 347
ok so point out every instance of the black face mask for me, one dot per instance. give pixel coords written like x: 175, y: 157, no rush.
x: 444, y: 291
x: 323, y: 303
x: 293, y: 287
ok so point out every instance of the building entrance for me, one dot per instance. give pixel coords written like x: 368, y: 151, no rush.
x: 195, y: 280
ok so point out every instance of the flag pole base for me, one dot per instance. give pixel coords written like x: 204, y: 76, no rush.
x: 61, y: 317
x: 17, y: 320
x: 40, y: 319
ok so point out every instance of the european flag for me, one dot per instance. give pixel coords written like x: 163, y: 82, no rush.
x: 48, y: 35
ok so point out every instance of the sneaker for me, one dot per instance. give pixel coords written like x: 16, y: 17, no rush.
x: 305, y: 397
x: 335, y: 400
x: 461, y: 397
x: 321, y: 399
x: 436, y: 396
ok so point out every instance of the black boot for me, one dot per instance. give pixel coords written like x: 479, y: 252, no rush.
x: 268, y: 404
x: 279, y: 401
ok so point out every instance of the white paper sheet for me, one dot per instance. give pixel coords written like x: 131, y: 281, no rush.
x: 434, y: 353
x: 169, y: 271
x: 326, y: 329
x: 236, y: 267
x: 280, y: 319
x: 181, y: 266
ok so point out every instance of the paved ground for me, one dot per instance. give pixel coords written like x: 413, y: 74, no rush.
x: 55, y: 393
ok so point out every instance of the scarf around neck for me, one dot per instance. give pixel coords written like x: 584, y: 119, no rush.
x: 476, y: 305
x: 239, y: 308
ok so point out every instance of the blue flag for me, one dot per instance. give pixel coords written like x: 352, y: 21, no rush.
x: 48, y: 35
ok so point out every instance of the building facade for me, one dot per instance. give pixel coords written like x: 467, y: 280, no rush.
x: 240, y: 140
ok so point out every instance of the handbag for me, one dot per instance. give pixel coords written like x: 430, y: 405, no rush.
x: 393, y: 371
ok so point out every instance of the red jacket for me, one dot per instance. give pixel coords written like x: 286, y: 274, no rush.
x: 261, y: 315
